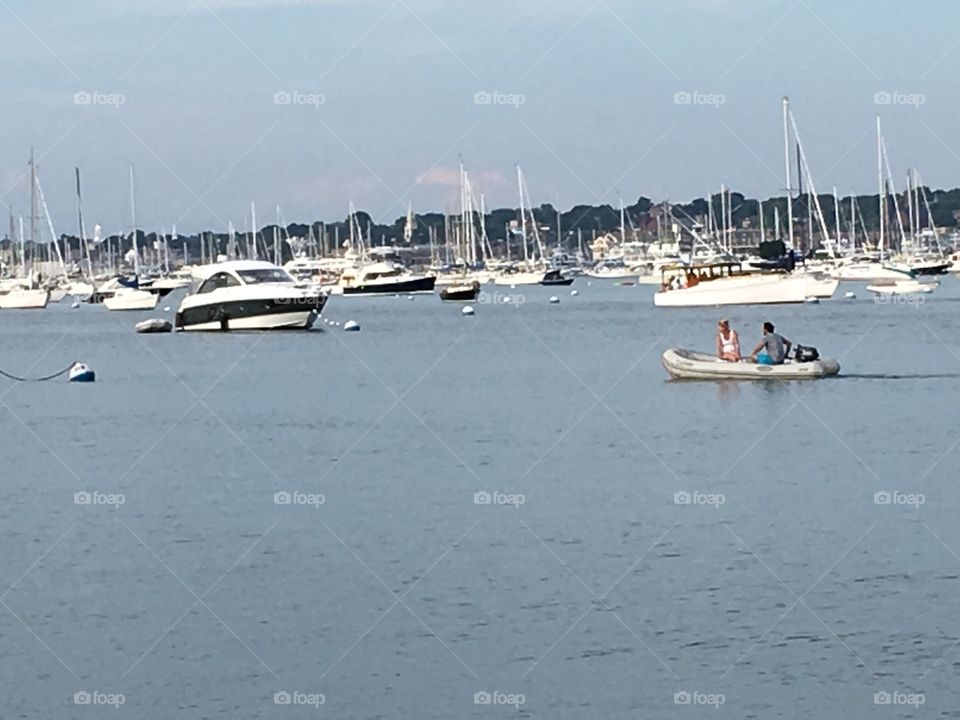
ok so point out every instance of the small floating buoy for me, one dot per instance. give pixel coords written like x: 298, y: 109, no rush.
x: 849, y: 295
x: 812, y: 301
x: 166, y: 308
x: 81, y: 373
x: 554, y: 300
x: 513, y: 287
x: 351, y: 326
x: 75, y: 304
x: 409, y: 297
x: 574, y: 293
x: 154, y: 325
x: 467, y: 310
x: 588, y: 283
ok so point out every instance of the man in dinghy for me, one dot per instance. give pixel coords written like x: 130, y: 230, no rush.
x: 728, y: 342
x: 773, y: 349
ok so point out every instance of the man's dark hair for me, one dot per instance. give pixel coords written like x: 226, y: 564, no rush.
x: 768, y: 326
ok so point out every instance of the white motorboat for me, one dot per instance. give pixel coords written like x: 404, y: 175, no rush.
x: 24, y: 299
x: 902, y: 287
x: 869, y: 270
x: 130, y: 299
x: 381, y: 278
x: 725, y: 284
x: 250, y: 295
x: 691, y: 365
x: 520, y: 277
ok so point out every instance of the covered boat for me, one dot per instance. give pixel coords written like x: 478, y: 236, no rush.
x: 690, y: 365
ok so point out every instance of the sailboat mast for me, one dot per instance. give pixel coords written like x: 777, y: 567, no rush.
x: 883, y: 188
x: 523, y: 215
x: 786, y: 155
x: 133, y: 219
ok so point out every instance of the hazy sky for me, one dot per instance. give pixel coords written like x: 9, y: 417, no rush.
x: 310, y: 104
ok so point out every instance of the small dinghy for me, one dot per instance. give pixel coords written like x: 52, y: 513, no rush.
x: 460, y: 292
x: 155, y: 325
x: 689, y: 365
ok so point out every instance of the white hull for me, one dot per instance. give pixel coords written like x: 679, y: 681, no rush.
x: 737, y: 290
x: 868, y: 272
x: 24, y: 300
x: 132, y: 300
x: 903, y: 287
x: 688, y: 365
x: 821, y: 288
x: 291, y: 320
x: 521, y: 278
x: 623, y: 274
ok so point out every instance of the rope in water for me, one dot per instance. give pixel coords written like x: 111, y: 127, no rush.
x: 40, y: 379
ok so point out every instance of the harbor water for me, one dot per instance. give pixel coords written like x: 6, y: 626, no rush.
x: 509, y: 514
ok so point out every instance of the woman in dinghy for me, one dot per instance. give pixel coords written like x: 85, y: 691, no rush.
x: 728, y: 342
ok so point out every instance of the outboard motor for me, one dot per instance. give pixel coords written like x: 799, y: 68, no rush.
x: 805, y: 354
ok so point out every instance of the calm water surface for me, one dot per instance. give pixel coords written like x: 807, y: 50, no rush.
x: 782, y: 590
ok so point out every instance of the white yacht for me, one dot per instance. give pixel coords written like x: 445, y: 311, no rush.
x: 20, y: 298
x: 250, y: 295
x: 725, y: 284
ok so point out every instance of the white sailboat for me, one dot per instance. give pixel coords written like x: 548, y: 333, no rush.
x: 130, y: 298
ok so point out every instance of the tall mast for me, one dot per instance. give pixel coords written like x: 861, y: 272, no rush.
x: 786, y: 155
x: 883, y: 188
x: 523, y: 215
x: 133, y: 219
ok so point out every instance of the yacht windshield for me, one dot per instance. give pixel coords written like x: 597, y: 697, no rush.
x: 267, y: 275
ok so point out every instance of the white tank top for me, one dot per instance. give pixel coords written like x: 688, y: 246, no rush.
x: 727, y: 343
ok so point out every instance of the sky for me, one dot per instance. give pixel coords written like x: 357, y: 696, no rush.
x: 310, y: 105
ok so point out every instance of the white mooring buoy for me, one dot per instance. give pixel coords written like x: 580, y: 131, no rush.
x: 467, y: 310
x: 351, y: 326
x: 554, y: 300
x: 81, y: 373
x: 849, y: 296
x: 812, y: 301
x: 574, y: 293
